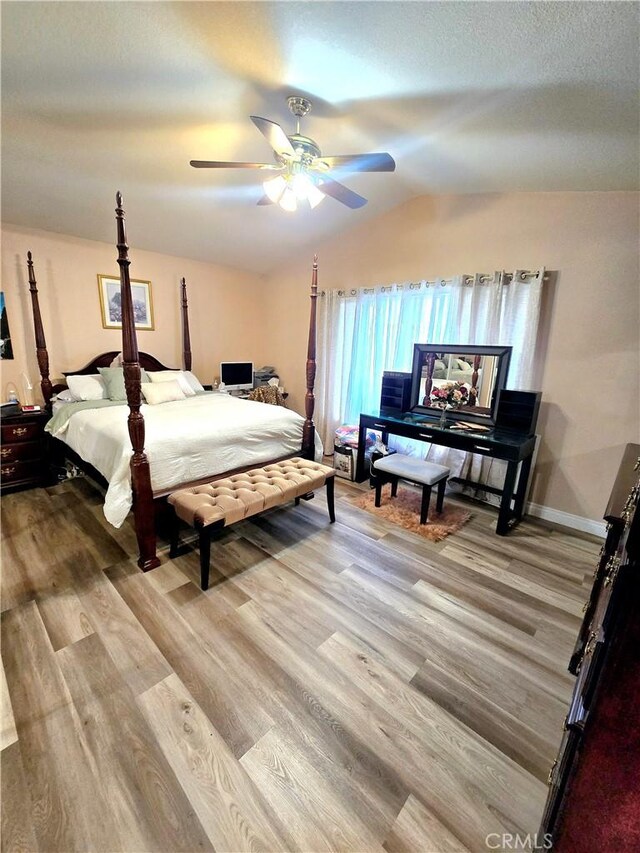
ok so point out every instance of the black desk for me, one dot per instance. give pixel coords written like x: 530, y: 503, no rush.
x: 516, y: 449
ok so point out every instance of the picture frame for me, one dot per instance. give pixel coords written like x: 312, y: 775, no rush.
x: 109, y: 290
x: 6, y: 346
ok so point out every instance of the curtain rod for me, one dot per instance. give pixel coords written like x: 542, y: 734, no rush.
x: 467, y: 280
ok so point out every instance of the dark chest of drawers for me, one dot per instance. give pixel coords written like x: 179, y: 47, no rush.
x: 595, y: 769
x: 23, y: 451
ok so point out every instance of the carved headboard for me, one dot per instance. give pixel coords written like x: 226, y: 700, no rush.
x: 147, y: 362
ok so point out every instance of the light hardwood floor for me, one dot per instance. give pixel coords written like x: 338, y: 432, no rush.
x: 350, y: 687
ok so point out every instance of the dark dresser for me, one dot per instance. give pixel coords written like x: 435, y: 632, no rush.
x: 23, y: 450
x: 597, y: 771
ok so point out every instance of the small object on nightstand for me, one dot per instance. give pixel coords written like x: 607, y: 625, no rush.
x: 31, y: 408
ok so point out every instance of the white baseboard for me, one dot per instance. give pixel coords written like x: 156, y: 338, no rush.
x: 566, y: 519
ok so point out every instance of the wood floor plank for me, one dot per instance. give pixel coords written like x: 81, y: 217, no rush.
x: 443, y: 637
x: 148, y: 805
x: 227, y: 804
x: 496, y: 631
x: 64, y: 618
x: 420, y: 757
x: 372, y: 788
x: 193, y: 659
x: 417, y: 829
x: 498, y: 569
x: 167, y: 576
x: 477, y: 710
x: 136, y: 657
x: 346, y: 608
x: 8, y: 733
x: 17, y: 834
x: 494, y: 597
x: 537, y: 547
x: 317, y: 818
x: 67, y: 809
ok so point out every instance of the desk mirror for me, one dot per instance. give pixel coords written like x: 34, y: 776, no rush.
x: 477, y: 373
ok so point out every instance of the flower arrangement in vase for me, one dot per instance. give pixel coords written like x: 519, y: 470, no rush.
x: 450, y: 395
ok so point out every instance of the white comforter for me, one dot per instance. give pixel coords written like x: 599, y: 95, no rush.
x: 185, y: 440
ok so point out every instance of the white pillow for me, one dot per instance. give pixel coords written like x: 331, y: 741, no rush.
x: 90, y: 387
x: 463, y: 365
x: 173, y: 376
x: 64, y: 397
x: 162, y: 392
x: 193, y: 380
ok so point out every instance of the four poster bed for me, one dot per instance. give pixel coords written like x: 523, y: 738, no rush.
x: 187, y: 440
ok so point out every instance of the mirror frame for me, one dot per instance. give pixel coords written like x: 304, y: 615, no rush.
x: 504, y: 358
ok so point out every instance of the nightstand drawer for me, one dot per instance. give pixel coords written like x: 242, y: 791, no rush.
x: 20, y: 432
x: 13, y: 471
x: 20, y: 452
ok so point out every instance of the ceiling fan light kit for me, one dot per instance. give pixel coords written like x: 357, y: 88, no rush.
x: 295, y: 187
x: 304, y: 173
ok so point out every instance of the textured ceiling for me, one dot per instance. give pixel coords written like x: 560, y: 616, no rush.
x: 467, y: 97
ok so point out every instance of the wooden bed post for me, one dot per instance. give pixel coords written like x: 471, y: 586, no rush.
x: 41, y: 344
x: 308, y: 430
x: 476, y: 369
x: 143, y: 508
x: 186, y: 339
x: 429, y: 363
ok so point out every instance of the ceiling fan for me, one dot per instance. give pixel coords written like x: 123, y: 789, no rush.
x: 303, y: 172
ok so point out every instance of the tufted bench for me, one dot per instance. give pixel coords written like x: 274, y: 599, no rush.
x: 222, y: 502
x: 426, y: 474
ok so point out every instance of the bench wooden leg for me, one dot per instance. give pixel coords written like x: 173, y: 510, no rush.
x: 297, y: 501
x: 378, y: 490
x: 205, y: 556
x: 330, y: 484
x: 442, y: 485
x: 174, y: 535
x: 424, y: 509
x: 394, y: 487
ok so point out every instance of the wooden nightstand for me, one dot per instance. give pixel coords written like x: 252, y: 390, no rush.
x: 22, y: 450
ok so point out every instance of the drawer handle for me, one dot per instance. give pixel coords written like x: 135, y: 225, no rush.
x: 482, y: 447
x: 6, y: 451
x: 19, y: 431
x: 7, y: 472
x: 591, y: 642
x: 425, y: 435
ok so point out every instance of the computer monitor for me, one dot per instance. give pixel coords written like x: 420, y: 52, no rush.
x: 237, y: 375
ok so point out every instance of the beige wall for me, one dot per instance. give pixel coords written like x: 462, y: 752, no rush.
x: 222, y: 306
x: 588, y: 364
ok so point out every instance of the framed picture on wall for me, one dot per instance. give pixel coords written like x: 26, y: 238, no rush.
x: 111, y: 310
x: 6, y: 347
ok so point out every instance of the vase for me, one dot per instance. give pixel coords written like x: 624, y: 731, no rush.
x: 443, y: 418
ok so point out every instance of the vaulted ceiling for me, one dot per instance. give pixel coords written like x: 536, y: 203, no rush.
x: 467, y: 97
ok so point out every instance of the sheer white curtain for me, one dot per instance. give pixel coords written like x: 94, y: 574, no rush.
x: 363, y: 332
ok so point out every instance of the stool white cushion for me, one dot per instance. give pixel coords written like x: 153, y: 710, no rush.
x: 411, y: 468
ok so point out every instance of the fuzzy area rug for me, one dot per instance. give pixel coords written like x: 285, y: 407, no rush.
x: 404, y: 510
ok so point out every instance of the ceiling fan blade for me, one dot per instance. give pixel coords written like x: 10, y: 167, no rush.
x: 375, y: 162
x: 221, y: 164
x: 264, y: 200
x: 275, y: 136
x: 341, y: 193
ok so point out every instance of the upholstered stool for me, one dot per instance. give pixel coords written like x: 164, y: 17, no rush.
x: 222, y: 502
x: 397, y: 466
